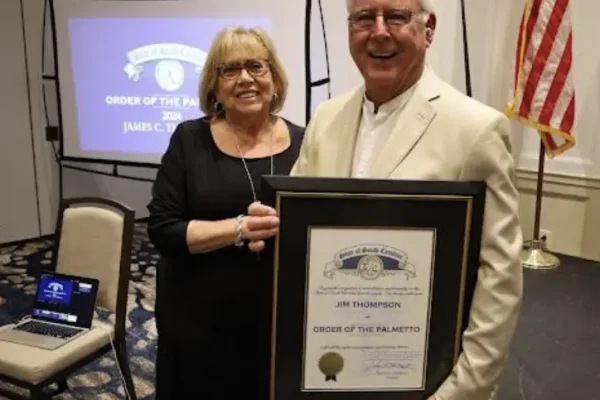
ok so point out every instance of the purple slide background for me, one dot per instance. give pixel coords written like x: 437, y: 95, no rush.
x: 99, y: 50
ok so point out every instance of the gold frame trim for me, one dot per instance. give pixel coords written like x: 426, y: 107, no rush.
x: 466, y: 244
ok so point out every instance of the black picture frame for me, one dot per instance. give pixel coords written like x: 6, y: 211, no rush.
x: 455, y: 210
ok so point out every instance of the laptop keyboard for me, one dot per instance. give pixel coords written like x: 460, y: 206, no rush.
x: 61, y: 332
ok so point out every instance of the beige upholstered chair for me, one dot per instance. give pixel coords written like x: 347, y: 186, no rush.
x: 93, y: 239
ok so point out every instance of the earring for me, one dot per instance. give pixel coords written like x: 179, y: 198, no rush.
x: 273, y: 100
x: 217, y: 108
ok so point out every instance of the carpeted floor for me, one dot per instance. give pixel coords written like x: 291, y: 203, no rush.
x: 555, y: 353
x: 100, y: 380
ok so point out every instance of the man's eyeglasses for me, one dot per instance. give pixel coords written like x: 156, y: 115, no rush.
x: 394, y: 19
x: 255, y: 68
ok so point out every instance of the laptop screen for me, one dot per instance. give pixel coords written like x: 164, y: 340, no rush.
x: 65, y: 299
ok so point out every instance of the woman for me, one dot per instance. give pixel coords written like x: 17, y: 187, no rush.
x: 208, y: 282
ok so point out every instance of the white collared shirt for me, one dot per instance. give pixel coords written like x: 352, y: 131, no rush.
x: 374, y: 130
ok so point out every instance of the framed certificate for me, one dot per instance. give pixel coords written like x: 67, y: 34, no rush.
x: 371, y: 286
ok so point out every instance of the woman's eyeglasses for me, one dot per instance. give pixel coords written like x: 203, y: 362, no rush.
x: 255, y: 68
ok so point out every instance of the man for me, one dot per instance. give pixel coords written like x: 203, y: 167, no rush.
x: 405, y: 123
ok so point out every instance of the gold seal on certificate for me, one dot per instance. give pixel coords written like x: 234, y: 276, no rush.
x: 331, y: 364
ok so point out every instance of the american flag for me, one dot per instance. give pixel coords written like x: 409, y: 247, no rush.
x: 544, y: 96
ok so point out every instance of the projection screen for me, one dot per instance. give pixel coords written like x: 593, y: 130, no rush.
x: 128, y: 71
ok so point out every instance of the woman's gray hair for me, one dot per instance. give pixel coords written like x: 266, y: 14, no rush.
x: 426, y: 5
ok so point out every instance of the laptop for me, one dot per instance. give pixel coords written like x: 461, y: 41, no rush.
x: 63, y: 309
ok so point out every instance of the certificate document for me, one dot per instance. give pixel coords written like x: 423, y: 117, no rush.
x: 368, y: 298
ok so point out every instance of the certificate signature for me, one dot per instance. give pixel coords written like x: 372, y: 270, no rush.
x: 387, y: 367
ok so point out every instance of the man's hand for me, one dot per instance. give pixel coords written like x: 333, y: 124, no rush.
x: 260, y: 224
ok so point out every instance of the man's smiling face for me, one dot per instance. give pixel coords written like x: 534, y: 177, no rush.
x: 388, y: 40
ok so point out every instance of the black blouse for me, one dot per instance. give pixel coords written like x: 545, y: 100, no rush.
x: 207, y: 294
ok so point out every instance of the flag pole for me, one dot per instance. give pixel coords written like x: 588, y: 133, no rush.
x: 537, y: 256
x: 539, y: 191
x: 466, y: 49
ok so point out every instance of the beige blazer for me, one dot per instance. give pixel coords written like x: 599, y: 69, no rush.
x: 446, y: 136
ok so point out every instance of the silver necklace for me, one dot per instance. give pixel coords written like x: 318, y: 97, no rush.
x: 246, y: 166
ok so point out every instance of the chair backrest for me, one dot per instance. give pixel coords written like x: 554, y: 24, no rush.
x: 94, y: 239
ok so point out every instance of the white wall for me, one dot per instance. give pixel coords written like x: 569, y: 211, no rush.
x: 492, y: 37
x: 18, y: 199
x: 45, y: 165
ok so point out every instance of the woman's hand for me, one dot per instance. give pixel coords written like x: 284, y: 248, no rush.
x: 261, y: 223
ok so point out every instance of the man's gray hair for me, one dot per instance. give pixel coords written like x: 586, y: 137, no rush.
x: 426, y: 5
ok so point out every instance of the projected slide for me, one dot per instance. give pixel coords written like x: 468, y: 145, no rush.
x: 131, y: 91
x: 129, y: 71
